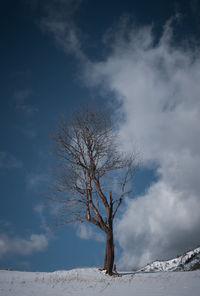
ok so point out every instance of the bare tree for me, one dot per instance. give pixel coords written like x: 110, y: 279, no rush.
x: 92, y: 174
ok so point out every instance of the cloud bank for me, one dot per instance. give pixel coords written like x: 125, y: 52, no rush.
x: 157, y: 86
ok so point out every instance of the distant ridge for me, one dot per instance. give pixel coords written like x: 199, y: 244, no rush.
x: 187, y: 262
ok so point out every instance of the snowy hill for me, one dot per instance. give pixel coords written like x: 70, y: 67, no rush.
x: 91, y: 281
x: 186, y: 262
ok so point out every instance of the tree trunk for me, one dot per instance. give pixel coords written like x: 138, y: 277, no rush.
x: 109, y: 253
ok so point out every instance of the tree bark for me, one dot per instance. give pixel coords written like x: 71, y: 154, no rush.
x: 109, y: 253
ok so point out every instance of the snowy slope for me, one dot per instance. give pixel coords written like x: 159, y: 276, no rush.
x: 186, y: 262
x: 91, y: 281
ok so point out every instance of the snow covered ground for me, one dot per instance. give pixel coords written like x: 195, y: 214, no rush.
x: 91, y: 281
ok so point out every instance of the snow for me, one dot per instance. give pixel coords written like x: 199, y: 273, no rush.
x: 183, y: 262
x: 91, y: 281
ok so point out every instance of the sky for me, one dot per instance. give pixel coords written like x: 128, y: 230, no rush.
x: 141, y: 58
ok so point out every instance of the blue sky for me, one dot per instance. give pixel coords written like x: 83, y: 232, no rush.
x: 140, y: 55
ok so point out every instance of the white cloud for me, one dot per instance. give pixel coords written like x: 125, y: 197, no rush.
x: 160, y: 224
x: 86, y: 232
x: 34, y: 180
x: 8, y: 161
x: 158, y: 87
x: 58, y: 21
x: 29, y: 132
x: 39, y: 209
x: 21, y: 96
x: 20, y: 246
x: 27, y: 109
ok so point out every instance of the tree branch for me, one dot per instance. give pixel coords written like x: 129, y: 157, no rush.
x: 102, y: 196
x: 103, y: 225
